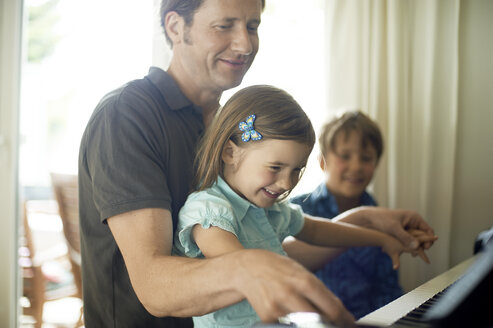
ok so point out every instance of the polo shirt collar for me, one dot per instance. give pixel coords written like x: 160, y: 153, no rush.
x: 322, y: 194
x: 367, y: 199
x: 240, y: 205
x: 170, y: 91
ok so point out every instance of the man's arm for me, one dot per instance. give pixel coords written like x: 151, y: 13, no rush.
x: 407, y: 226
x: 169, y: 285
x: 178, y: 286
x: 214, y: 241
x: 322, y: 232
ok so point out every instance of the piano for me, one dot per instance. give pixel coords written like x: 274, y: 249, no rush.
x: 409, y: 306
x: 460, y: 297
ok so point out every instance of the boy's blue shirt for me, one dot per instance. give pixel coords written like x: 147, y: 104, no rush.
x: 362, y: 277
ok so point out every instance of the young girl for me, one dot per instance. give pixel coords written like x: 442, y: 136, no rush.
x: 251, y: 157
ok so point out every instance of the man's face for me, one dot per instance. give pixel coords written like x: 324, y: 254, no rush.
x: 221, y: 43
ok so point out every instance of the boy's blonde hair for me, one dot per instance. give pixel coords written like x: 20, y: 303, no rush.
x: 278, y: 116
x: 349, y: 121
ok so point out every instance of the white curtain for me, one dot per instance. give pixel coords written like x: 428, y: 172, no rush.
x: 397, y: 60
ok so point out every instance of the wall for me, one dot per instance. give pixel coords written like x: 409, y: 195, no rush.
x: 10, y: 31
x: 473, y: 190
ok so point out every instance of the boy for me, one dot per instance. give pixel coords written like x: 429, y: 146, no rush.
x: 351, y: 146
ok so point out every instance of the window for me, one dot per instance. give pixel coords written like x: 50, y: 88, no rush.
x: 75, y: 52
x: 291, y: 56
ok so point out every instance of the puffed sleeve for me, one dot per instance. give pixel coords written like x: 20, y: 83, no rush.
x: 295, y: 216
x: 207, y: 209
x: 286, y: 219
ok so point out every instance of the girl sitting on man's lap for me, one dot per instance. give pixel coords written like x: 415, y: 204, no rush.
x: 251, y: 157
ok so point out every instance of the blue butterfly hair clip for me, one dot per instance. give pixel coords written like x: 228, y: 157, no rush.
x: 248, y: 130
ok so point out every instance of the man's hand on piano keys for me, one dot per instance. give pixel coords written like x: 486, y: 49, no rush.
x: 276, y: 285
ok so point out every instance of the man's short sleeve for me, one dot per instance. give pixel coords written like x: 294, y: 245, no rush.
x: 127, y: 156
x: 138, y: 148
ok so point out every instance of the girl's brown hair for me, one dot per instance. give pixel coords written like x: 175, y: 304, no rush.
x: 278, y: 116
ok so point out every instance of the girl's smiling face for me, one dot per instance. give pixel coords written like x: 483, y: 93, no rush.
x: 264, y: 170
x: 349, y: 167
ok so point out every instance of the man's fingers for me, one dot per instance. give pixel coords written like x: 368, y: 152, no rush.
x: 278, y: 285
x: 293, y: 303
x: 312, y: 299
x: 405, y: 238
x: 330, y: 306
x: 413, y: 220
x: 425, y: 239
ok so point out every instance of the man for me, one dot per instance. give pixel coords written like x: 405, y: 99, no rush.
x: 135, y: 171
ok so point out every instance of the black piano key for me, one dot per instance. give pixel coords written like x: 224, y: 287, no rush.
x: 414, y: 317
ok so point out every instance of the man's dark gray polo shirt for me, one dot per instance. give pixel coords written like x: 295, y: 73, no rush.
x: 137, y: 152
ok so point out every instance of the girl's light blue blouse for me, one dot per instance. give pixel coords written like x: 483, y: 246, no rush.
x: 254, y: 227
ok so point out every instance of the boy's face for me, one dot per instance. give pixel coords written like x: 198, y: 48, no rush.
x: 349, y: 167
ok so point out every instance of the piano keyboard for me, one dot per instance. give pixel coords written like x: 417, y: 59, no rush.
x: 408, y: 309
x: 458, y: 298
x: 414, y: 318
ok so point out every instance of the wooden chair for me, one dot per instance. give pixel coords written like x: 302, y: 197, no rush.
x: 32, y: 274
x: 65, y: 188
x: 38, y: 285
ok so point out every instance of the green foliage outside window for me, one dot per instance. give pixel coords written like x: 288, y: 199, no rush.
x: 42, y: 38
